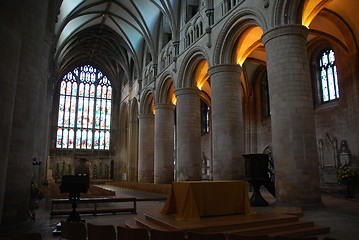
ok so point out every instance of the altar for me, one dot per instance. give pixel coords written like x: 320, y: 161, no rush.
x: 191, y: 200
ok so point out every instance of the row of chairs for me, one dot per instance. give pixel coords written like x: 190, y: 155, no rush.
x: 79, y: 231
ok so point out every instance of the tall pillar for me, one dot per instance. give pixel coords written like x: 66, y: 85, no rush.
x: 146, y: 150
x: 164, y: 143
x: 227, y: 122
x: 32, y: 72
x: 293, y: 128
x: 188, y: 134
x: 10, y: 46
x: 133, y: 151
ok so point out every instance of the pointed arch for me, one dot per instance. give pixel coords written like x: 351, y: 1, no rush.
x: 85, y: 110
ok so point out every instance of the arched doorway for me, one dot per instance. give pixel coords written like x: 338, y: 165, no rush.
x: 82, y: 167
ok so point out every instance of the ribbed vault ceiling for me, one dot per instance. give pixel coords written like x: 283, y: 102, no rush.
x: 110, y: 33
x: 114, y: 34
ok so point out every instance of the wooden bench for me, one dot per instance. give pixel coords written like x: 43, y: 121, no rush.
x: 95, y: 206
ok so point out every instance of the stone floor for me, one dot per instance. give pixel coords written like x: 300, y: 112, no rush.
x: 340, y: 214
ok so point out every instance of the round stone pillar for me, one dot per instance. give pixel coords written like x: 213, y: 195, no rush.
x: 188, y: 134
x: 27, y: 41
x: 164, y: 143
x: 10, y: 47
x: 291, y: 103
x: 145, y: 151
x: 132, y: 160
x: 227, y: 122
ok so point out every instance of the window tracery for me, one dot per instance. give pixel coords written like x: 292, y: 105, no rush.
x: 84, y: 117
x: 328, y: 78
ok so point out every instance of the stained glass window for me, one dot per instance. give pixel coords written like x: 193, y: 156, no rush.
x: 84, y: 119
x: 329, y: 89
x: 204, y: 117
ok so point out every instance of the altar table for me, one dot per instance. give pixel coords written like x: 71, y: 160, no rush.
x: 191, y: 200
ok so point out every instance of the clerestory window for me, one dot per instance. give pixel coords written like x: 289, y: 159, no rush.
x: 84, y: 117
x: 328, y: 79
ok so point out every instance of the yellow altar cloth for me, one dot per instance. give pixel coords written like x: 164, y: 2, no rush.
x: 191, y: 200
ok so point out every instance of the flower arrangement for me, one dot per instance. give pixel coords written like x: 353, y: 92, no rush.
x: 35, y: 191
x: 346, y: 173
x: 36, y: 195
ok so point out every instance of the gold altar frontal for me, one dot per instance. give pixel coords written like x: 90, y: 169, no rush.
x: 220, y: 207
x: 192, y: 200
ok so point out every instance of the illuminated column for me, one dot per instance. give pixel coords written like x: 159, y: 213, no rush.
x: 188, y: 134
x: 227, y: 122
x: 164, y: 143
x: 291, y: 103
x: 145, y: 151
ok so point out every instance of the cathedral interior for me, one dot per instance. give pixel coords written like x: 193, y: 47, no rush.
x: 157, y: 91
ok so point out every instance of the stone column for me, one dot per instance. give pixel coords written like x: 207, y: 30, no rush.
x: 293, y: 128
x: 188, y: 134
x: 30, y: 76
x: 132, y: 162
x: 164, y: 143
x: 10, y: 46
x: 227, y: 122
x: 146, y: 148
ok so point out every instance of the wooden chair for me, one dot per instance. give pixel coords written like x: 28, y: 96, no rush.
x: 235, y: 236
x: 27, y: 236
x: 101, y: 232
x: 166, y: 235
x: 124, y: 233
x: 294, y: 238
x: 205, y: 236
x: 73, y: 230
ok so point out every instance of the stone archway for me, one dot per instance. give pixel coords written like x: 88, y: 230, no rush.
x: 82, y: 167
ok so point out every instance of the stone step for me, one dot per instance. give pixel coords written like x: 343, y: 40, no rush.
x: 224, y: 223
x: 132, y: 223
x: 144, y: 222
x: 302, y: 232
x: 270, y: 229
x: 261, y: 223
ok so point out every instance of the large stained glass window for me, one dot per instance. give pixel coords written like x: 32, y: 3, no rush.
x: 328, y: 76
x: 84, y: 118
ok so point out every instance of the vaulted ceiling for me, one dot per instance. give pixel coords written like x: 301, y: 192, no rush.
x: 110, y: 33
x: 114, y: 34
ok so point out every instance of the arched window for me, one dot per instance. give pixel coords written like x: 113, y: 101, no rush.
x: 265, y: 98
x: 328, y: 79
x: 204, y: 117
x: 84, y: 119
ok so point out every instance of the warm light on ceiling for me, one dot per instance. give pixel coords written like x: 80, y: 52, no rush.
x: 201, y: 74
x: 173, y: 99
x: 311, y: 10
x: 249, y: 40
x: 153, y: 110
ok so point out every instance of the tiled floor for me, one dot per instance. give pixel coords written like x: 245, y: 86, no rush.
x: 340, y: 214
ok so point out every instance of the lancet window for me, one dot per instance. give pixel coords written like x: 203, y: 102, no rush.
x: 328, y: 79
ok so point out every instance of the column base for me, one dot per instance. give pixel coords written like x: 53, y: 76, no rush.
x: 7, y: 230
